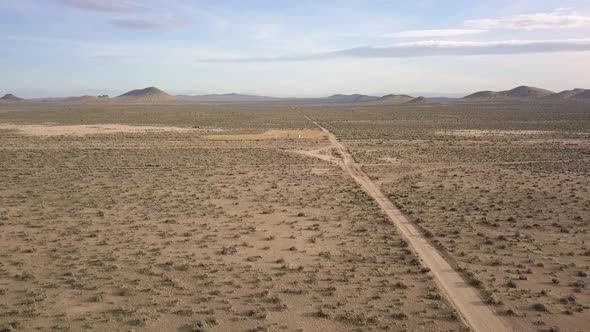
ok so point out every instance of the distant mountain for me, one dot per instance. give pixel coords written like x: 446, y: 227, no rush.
x: 567, y: 94
x: 355, y: 98
x: 525, y: 92
x: 10, y: 97
x: 48, y: 99
x: 582, y: 96
x: 150, y: 94
x: 338, y: 98
x: 575, y: 94
x: 392, y: 99
x: 420, y: 100
x: 442, y: 99
x: 521, y: 92
x: 87, y: 98
x: 228, y: 97
x: 481, y: 95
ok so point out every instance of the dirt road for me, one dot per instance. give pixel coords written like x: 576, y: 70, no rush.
x: 476, y: 314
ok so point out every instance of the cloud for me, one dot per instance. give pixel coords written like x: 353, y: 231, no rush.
x: 112, y: 6
x: 433, y: 33
x: 558, y: 19
x: 150, y: 23
x: 432, y: 48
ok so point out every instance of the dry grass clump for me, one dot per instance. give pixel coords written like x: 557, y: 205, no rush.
x: 171, y: 231
x: 507, y: 200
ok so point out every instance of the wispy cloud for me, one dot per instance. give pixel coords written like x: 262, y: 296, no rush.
x: 166, y: 23
x: 433, y: 33
x: 432, y: 48
x: 112, y: 6
x: 558, y: 19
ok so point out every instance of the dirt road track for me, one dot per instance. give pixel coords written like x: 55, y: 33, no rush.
x: 476, y: 314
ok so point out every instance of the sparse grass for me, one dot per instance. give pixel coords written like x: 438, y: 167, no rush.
x: 141, y: 229
x: 506, y: 200
x: 272, y: 135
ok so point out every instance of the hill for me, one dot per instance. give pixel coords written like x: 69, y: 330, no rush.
x: 525, y: 92
x: 10, y: 97
x: 481, y: 95
x: 420, y: 100
x: 582, y: 96
x: 521, y: 92
x: 394, y: 99
x: 574, y: 94
x: 150, y: 94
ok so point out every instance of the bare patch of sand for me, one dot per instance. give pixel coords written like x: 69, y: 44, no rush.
x: 81, y: 130
x: 480, y: 133
x: 272, y: 134
x: 324, y: 153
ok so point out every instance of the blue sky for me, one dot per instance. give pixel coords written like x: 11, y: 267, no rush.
x: 292, y: 48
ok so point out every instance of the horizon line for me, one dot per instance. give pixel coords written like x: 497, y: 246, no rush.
x: 269, y: 95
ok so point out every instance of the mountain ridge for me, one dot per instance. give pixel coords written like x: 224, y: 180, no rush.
x: 153, y: 94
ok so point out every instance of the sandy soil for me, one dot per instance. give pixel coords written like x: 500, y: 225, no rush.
x: 270, y: 134
x: 510, y: 212
x: 168, y: 231
x: 476, y: 314
x: 81, y: 130
x: 480, y: 133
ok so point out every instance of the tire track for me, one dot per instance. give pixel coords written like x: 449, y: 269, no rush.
x: 475, y: 313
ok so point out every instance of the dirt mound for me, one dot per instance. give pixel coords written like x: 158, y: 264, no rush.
x: 148, y: 94
x: 10, y: 97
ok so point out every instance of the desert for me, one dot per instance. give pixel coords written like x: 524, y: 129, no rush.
x: 175, y: 215
x: 294, y: 166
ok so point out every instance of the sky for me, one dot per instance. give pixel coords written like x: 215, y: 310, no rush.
x: 292, y: 48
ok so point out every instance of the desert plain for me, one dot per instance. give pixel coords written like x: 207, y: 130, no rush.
x: 184, y: 216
